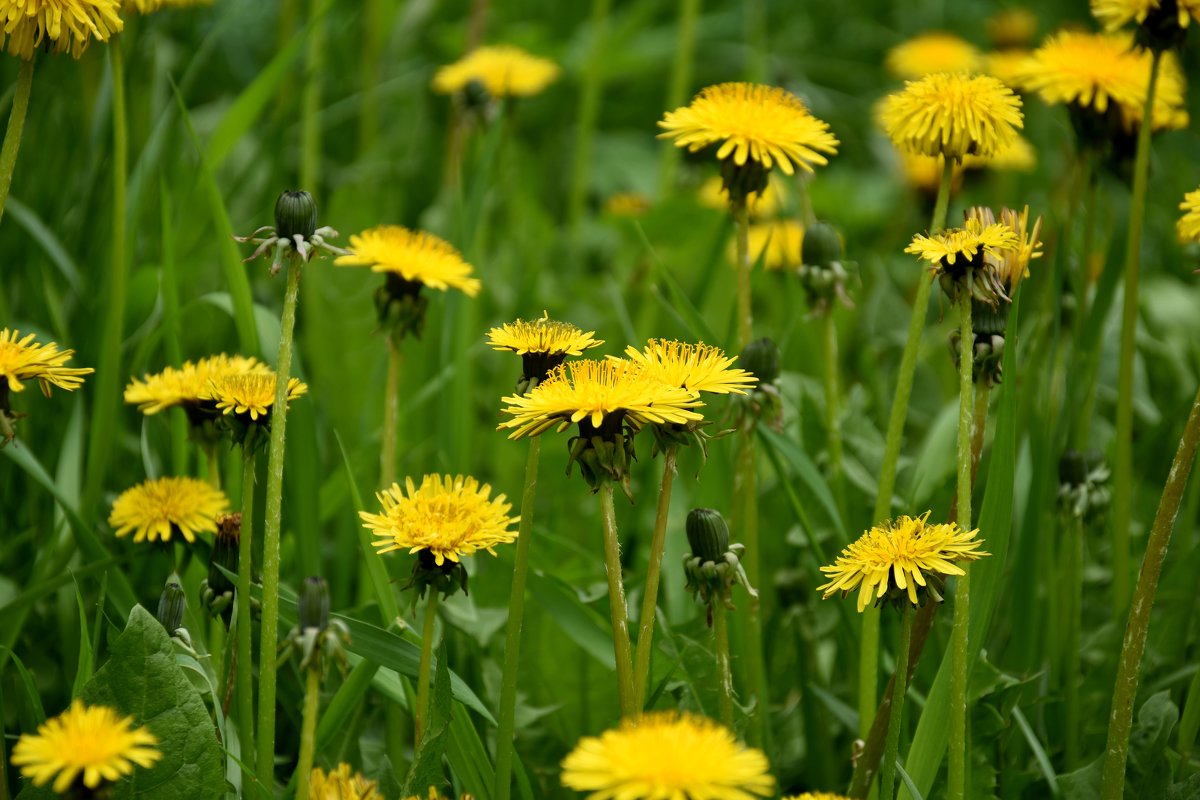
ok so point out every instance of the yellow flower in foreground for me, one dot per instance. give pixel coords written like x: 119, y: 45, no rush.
x: 597, y: 393
x: 953, y: 115
x: 935, y: 51
x: 667, y: 756
x: 415, y: 256
x: 22, y: 359
x: 697, y: 367
x: 188, y: 385
x: 158, y: 508
x: 449, y: 515
x: 504, y: 70
x: 250, y: 394
x: 60, y: 25
x: 93, y: 743
x: 342, y: 783
x: 712, y: 193
x: 1188, y: 225
x: 1115, y: 14
x: 751, y: 122
x: 898, y: 557
x: 543, y: 336
x: 944, y: 249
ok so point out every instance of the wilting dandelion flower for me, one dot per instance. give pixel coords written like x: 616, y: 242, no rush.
x: 85, y: 744
x: 1011, y: 264
x: 341, y: 783
x: 160, y: 508
x: 934, y: 51
x: 502, y: 70
x: 1188, y: 225
x: 696, y: 367
x: 542, y: 344
x: 60, y: 25
x: 667, y: 756
x: 958, y: 257
x: 896, y: 559
x: 953, y: 115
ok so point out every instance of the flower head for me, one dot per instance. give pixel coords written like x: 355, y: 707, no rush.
x: 934, y: 51
x: 63, y: 25
x: 22, y: 359
x: 414, y: 256
x: 1188, y: 225
x: 250, y: 394
x: 1011, y: 264
x: 667, y: 756
x: 696, y: 367
x: 503, y: 70
x: 158, y: 508
x: 92, y: 744
x: 342, y: 783
x: 953, y: 115
x: 899, y: 557
x: 450, y: 516
x: 188, y: 386
x: 751, y: 122
x: 542, y: 344
x: 1114, y: 14
x: 943, y: 250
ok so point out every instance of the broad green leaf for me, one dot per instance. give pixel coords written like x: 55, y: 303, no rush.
x: 426, y: 769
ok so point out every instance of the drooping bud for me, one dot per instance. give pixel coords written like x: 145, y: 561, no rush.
x: 761, y: 358
x: 314, y: 603
x: 171, y: 605
x: 295, y: 215
x: 707, y: 534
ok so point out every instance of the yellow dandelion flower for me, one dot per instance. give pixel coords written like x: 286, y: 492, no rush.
x: 953, y: 115
x: 697, y: 367
x: 1114, y: 14
x: 597, y: 393
x: 188, y: 385
x: 667, y: 756
x: 22, y: 359
x: 542, y: 336
x: 751, y: 122
x: 1188, y: 225
x: 712, y: 193
x: 415, y: 256
x: 450, y: 516
x: 943, y: 249
x: 935, y: 51
x: 341, y: 783
x: 92, y: 744
x: 1012, y: 28
x: 503, y: 70
x: 158, y: 508
x: 61, y: 25
x: 900, y: 556
x: 1011, y: 264
x: 627, y: 204
x: 250, y: 393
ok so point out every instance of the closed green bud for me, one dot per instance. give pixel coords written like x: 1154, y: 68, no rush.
x: 171, y: 604
x: 314, y: 603
x: 707, y: 534
x: 822, y: 246
x: 295, y: 215
x: 761, y: 358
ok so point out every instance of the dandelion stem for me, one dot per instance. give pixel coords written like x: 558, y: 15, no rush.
x: 868, y: 670
x: 516, y: 615
x: 1123, y: 466
x: 720, y: 618
x: 618, y: 609
x: 887, y: 778
x: 308, y: 729
x: 268, y: 640
x: 421, y: 715
x: 956, y: 773
x: 1125, y: 688
x: 213, y: 465
x: 745, y: 314
x: 16, y: 126
x: 833, y: 412
x: 681, y: 78
x: 391, y: 411
x: 245, y: 655
x: 658, y: 544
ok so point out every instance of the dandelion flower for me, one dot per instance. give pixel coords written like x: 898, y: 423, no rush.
x: 1011, y: 264
x: 1114, y: 14
x: 415, y: 256
x: 899, y: 557
x: 953, y: 115
x: 61, y: 25
x: 697, y: 367
x: 667, y: 756
x: 450, y: 516
x: 22, y: 359
x: 250, y: 394
x: 943, y: 250
x: 159, y: 508
x: 599, y: 393
x: 342, y: 783
x: 91, y: 743
x: 542, y: 344
x: 187, y: 386
x: 751, y: 122
x: 1188, y: 225
x: 935, y: 51
x: 503, y: 70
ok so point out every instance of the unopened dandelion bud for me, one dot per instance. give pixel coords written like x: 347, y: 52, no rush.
x: 314, y: 603
x: 295, y: 215
x: 707, y: 534
x: 822, y: 246
x: 171, y: 604
x: 761, y: 358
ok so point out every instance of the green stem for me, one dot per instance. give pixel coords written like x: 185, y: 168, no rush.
x: 391, y: 412
x: 213, y: 465
x: 1073, y: 609
x: 956, y: 773
x: 16, y: 125
x: 245, y: 655
x: 1189, y: 723
x: 887, y: 777
x: 421, y: 714
x: 720, y: 619
x: 589, y: 110
x: 1123, y: 466
x: 833, y: 413
x: 745, y: 312
x: 516, y: 615
x: 1125, y: 688
x: 308, y: 730
x: 269, y: 628
x: 172, y: 328
x: 658, y: 545
x: 618, y: 609
x: 681, y: 78
x: 868, y: 669
x: 310, y: 148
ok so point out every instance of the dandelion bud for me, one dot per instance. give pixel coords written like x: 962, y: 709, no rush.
x: 295, y: 215
x: 761, y: 358
x: 171, y: 605
x: 314, y: 603
x: 822, y: 246
x: 707, y: 534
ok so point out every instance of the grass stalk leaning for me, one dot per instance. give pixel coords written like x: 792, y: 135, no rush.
x: 245, y: 647
x: 424, y: 668
x: 16, y: 126
x: 887, y: 778
x: 658, y: 545
x: 618, y: 608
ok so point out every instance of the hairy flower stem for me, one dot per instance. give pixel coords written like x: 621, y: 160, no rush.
x: 245, y: 655
x: 16, y: 125
x: 956, y: 772
x: 1123, y: 457
x: 421, y: 714
x: 720, y: 618
x: 618, y: 609
x: 833, y: 412
x: 887, y: 778
x: 1125, y: 688
x: 868, y: 667
x: 308, y: 729
x: 269, y: 638
x: 658, y: 545
x: 506, y: 724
